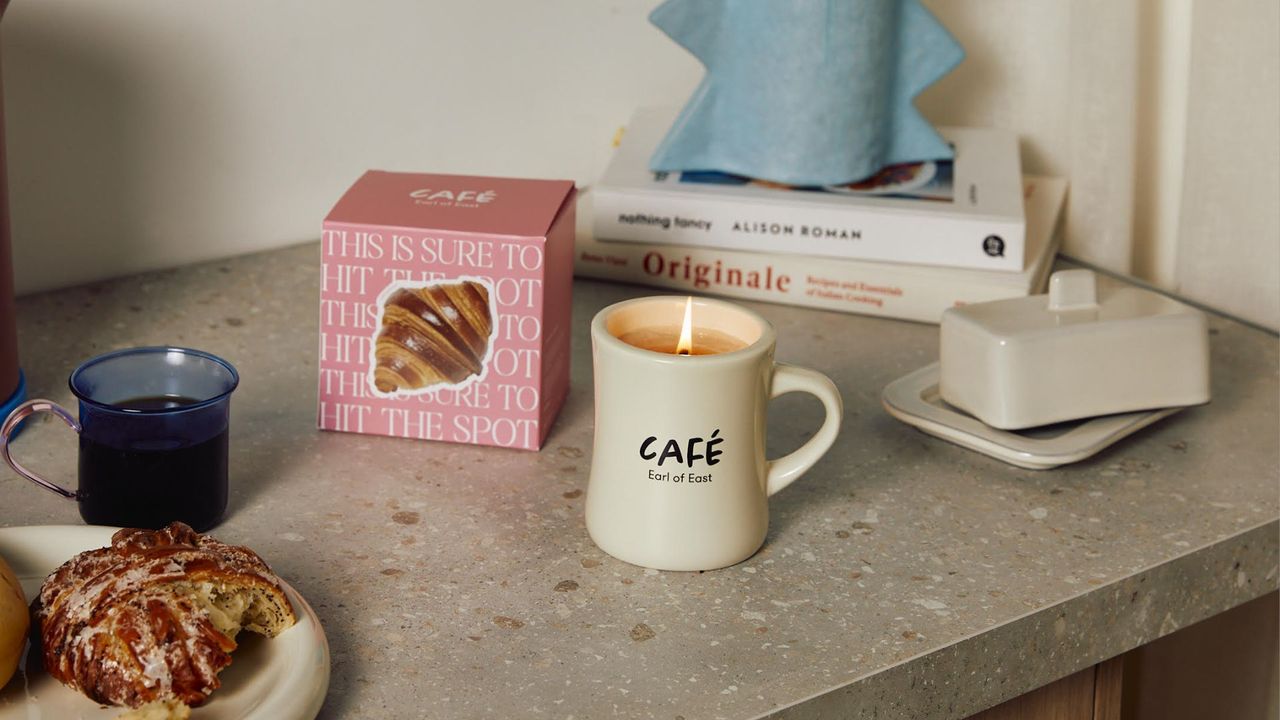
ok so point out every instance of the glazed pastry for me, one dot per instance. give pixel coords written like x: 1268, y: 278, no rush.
x: 432, y: 335
x: 14, y: 619
x: 154, y: 617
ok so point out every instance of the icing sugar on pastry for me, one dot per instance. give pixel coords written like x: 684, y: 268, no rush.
x: 153, y: 618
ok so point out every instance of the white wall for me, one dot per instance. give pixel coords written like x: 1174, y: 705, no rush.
x: 1229, y: 219
x: 1063, y: 75
x: 147, y: 133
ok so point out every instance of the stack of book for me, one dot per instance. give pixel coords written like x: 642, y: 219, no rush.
x: 908, y: 244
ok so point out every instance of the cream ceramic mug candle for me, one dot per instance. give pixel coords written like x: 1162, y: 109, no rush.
x: 679, y: 479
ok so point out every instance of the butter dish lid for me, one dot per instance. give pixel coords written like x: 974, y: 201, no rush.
x: 1078, y: 351
x: 1073, y: 300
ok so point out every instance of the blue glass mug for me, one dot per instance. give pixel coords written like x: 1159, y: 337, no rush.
x: 153, y: 437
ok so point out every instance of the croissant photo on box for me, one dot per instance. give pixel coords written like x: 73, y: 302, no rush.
x: 431, y: 336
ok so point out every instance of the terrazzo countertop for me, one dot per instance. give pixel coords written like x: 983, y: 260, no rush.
x: 902, y: 577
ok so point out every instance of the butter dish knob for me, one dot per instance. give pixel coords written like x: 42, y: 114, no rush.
x: 1073, y: 290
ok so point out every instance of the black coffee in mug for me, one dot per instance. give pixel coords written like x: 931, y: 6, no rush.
x: 153, y: 437
x: 150, y: 484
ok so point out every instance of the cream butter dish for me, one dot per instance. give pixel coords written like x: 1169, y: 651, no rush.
x: 914, y: 400
x: 1077, y: 352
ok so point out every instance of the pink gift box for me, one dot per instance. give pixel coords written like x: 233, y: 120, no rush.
x: 445, y: 308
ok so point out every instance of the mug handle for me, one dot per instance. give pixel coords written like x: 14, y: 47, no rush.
x: 20, y: 413
x: 787, y: 379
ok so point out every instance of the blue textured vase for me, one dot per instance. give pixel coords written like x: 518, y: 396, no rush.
x: 805, y: 92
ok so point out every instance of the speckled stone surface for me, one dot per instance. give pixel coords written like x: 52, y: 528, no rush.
x: 903, y: 577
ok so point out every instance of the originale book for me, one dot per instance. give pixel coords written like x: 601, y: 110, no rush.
x: 965, y: 212
x: 909, y: 292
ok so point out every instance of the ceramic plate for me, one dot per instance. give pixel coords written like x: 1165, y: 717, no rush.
x: 280, y: 679
x: 914, y: 400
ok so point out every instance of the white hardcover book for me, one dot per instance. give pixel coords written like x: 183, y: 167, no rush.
x: 962, y: 213
x: 908, y: 292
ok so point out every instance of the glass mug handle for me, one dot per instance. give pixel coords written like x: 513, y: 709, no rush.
x: 20, y: 413
x: 788, y: 379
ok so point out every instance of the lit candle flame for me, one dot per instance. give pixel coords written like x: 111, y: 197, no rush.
x: 685, y: 346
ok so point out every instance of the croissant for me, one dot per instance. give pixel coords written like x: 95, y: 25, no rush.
x: 153, y: 617
x: 432, y: 335
x: 13, y: 622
